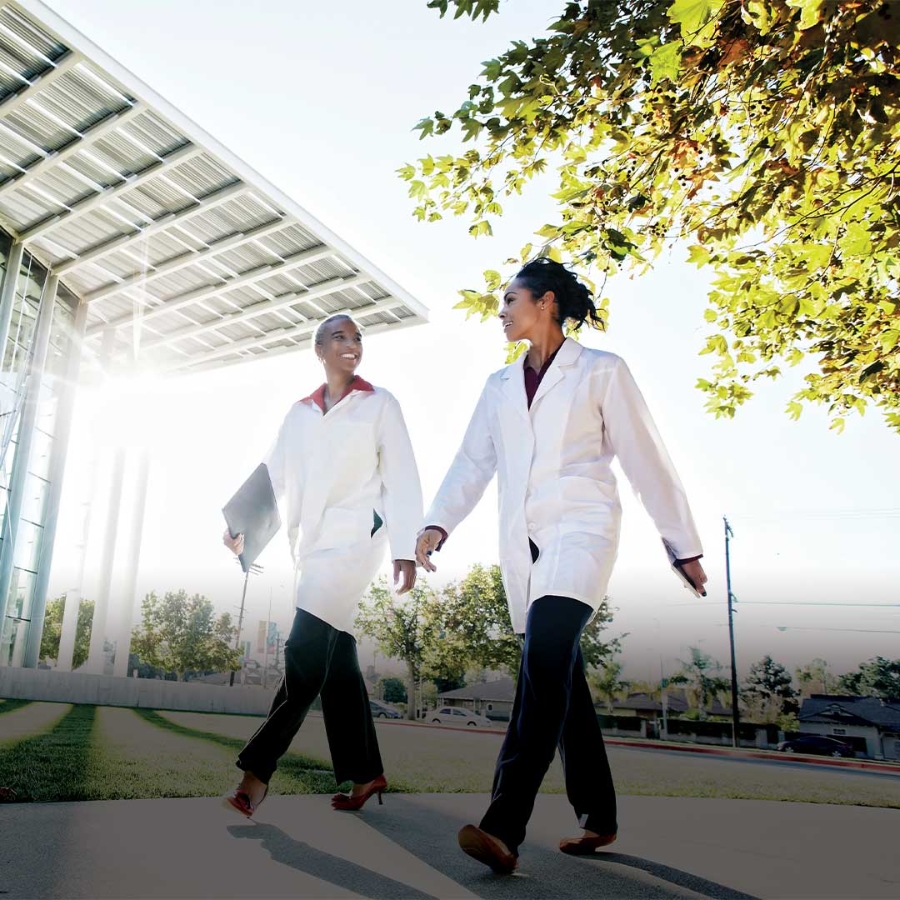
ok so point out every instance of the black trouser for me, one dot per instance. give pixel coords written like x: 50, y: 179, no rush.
x: 319, y: 659
x: 553, y: 708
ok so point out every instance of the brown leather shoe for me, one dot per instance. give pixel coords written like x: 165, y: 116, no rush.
x: 585, y: 846
x: 487, y: 849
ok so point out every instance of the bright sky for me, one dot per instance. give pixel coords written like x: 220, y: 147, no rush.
x: 322, y: 103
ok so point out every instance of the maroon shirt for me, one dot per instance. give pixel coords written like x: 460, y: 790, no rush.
x: 533, y: 380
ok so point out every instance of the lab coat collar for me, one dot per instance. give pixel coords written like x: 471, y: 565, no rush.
x: 318, y: 395
x: 567, y: 355
x: 514, y: 375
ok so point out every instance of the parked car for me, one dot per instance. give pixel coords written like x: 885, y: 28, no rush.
x: 384, y: 711
x: 453, y: 715
x: 818, y: 745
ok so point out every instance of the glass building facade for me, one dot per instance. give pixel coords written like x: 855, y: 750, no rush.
x: 31, y: 386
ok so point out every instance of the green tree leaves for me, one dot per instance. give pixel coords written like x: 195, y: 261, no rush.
x: 764, y: 136
x: 694, y: 16
x: 464, y: 628
x: 178, y: 633
x: 52, y: 633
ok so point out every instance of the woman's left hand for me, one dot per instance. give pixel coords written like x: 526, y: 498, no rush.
x: 695, y: 572
x: 404, y: 575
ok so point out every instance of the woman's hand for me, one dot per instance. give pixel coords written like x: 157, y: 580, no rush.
x: 694, y: 571
x: 427, y: 543
x: 404, y: 575
x: 234, y: 544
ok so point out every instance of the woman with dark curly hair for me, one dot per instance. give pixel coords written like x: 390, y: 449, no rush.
x: 550, y: 425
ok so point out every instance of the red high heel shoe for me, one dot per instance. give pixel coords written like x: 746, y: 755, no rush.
x: 345, y: 801
x: 240, y: 801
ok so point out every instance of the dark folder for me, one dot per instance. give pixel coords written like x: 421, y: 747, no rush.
x: 253, y: 512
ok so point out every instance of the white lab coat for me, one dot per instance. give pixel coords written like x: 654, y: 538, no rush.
x: 556, y: 485
x: 331, y: 475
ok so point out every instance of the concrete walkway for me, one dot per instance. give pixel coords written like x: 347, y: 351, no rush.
x: 300, y: 848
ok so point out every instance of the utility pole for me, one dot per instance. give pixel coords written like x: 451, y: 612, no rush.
x: 253, y: 570
x: 265, y: 683
x: 735, y: 715
x: 663, y: 696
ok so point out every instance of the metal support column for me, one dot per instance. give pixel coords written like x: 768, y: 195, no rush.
x: 60, y: 452
x: 8, y: 292
x: 41, y: 342
x: 101, y: 605
x: 123, y: 644
x: 66, y: 656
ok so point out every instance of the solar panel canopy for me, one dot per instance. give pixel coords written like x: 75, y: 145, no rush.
x: 186, y: 257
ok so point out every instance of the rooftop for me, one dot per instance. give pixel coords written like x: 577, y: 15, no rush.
x: 187, y: 257
x: 851, y: 710
x: 503, y: 689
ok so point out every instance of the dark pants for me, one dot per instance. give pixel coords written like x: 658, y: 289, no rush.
x: 553, y: 708
x: 319, y: 659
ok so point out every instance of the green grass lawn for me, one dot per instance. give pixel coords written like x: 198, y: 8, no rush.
x: 93, y: 753
x: 109, y: 753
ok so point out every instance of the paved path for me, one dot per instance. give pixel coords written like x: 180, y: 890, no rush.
x: 299, y: 848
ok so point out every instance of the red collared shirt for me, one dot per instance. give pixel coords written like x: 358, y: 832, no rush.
x: 318, y: 395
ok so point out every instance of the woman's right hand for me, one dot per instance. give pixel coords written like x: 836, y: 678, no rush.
x: 427, y: 543
x: 234, y: 544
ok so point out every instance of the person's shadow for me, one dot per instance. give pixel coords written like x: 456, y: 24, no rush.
x: 432, y: 838
x: 333, y: 869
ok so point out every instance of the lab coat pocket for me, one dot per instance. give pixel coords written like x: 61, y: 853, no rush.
x: 343, y: 527
x: 589, y: 504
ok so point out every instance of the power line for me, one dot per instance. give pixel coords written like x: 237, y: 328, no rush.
x: 812, y: 628
x: 778, y: 515
x: 812, y: 603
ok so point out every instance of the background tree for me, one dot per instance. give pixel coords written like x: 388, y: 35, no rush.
x: 178, y: 633
x: 406, y: 628
x: 813, y: 677
x: 607, y: 682
x: 769, y: 686
x: 478, y: 625
x: 702, y: 673
x: 764, y: 134
x: 392, y: 690
x: 50, y: 638
x: 462, y: 634
x: 879, y: 677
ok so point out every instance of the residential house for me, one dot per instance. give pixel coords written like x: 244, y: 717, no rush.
x: 644, y: 706
x: 869, y: 724
x: 493, y: 699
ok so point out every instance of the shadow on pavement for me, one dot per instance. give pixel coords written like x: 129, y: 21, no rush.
x: 677, y: 877
x: 543, y: 873
x: 333, y: 869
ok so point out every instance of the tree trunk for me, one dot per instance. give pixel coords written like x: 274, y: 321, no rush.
x: 410, y: 692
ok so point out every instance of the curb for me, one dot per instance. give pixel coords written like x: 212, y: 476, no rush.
x: 771, y: 756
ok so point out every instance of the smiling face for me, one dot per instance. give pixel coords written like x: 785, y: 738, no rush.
x: 341, y: 347
x: 521, y: 313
